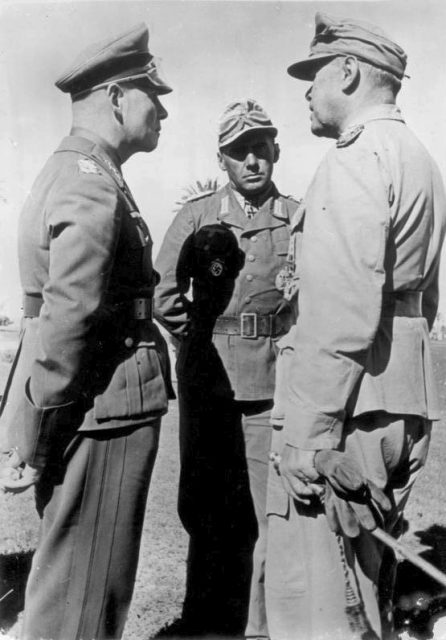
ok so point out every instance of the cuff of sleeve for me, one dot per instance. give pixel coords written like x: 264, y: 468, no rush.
x: 277, y: 416
x: 313, y: 431
x: 35, y: 429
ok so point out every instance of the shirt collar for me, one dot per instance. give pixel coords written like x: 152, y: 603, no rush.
x: 375, y: 112
x: 94, y: 137
x: 257, y: 201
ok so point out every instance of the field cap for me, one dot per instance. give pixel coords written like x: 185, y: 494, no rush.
x: 344, y: 36
x: 123, y: 57
x: 240, y: 118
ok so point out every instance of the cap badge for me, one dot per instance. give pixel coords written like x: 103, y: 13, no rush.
x: 328, y: 34
x: 216, y: 268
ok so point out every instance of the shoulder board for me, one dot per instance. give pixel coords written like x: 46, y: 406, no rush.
x: 198, y: 196
x: 87, y: 165
x: 349, y: 136
x: 297, y: 216
x: 293, y: 199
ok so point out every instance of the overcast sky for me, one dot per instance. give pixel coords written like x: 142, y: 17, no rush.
x: 213, y: 52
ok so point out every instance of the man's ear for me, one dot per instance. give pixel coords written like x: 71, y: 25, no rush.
x: 221, y: 161
x: 115, y: 95
x: 276, y: 152
x: 350, y: 74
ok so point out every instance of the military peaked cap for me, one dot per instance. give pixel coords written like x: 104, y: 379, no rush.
x: 240, y: 118
x: 343, y: 36
x: 124, y: 57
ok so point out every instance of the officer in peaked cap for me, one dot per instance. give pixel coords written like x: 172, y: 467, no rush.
x: 125, y: 58
x: 84, y: 402
x: 226, y: 373
x: 356, y: 384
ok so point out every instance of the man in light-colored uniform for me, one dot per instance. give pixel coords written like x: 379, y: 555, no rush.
x: 226, y: 370
x: 358, y: 374
x: 91, y: 379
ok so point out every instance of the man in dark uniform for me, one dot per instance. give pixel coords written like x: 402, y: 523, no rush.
x: 226, y: 374
x: 91, y: 380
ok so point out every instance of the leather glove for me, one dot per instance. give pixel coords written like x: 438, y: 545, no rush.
x: 351, y: 501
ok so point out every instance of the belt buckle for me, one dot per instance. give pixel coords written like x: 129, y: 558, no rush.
x: 248, y: 325
x: 143, y: 308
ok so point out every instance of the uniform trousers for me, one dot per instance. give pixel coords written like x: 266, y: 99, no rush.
x: 224, y: 447
x: 323, y: 586
x: 92, y: 504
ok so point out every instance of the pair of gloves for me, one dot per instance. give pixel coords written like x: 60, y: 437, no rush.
x: 351, y: 501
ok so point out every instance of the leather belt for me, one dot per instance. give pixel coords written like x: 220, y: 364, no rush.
x: 252, y: 325
x: 137, y: 309
x: 402, y: 303
x: 141, y: 308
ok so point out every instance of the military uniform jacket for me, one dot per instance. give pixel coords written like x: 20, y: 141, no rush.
x: 85, y: 255
x: 374, y: 224
x: 248, y: 364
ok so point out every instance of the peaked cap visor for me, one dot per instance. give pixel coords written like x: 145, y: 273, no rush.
x: 305, y: 69
x: 240, y: 134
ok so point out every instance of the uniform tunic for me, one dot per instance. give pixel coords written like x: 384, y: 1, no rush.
x: 88, y: 377
x: 264, y: 240
x: 358, y: 368
x: 226, y: 385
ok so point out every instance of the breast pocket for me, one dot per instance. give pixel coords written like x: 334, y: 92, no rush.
x: 280, y: 238
x: 137, y: 386
x: 282, y: 247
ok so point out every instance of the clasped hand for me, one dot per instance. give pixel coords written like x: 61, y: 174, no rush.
x: 298, y: 474
x: 351, y: 501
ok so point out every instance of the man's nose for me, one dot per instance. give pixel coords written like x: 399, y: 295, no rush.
x: 251, y: 159
x: 161, y: 111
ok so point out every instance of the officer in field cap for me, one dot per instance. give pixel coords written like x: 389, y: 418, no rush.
x: 240, y: 118
x: 86, y: 396
x: 343, y: 36
x: 356, y: 384
x: 224, y: 407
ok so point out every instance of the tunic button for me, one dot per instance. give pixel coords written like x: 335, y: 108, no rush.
x: 251, y: 258
x: 248, y: 300
x: 254, y: 239
x: 249, y: 277
x: 128, y: 342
